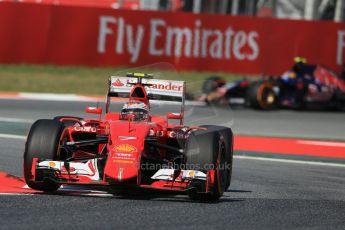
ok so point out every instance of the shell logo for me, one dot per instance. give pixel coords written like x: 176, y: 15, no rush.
x: 125, y: 148
x: 191, y: 173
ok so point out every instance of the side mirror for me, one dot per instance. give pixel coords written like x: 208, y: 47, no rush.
x: 176, y: 116
x: 93, y: 110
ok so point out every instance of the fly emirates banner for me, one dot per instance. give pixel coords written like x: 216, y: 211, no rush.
x: 62, y: 35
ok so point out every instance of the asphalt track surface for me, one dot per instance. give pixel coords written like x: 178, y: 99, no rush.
x: 280, y: 123
x: 263, y: 194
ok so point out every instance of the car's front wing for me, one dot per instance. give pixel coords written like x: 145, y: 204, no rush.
x: 88, y: 173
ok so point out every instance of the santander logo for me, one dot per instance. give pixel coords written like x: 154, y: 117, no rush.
x: 155, y: 85
x: 167, y: 86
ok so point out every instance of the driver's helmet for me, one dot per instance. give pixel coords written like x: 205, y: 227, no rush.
x: 300, y: 60
x: 136, y: 111
x: 299, y: 65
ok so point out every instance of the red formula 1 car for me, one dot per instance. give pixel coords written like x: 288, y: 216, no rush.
x: 131, y: 149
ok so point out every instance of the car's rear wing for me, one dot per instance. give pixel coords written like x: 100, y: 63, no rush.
x: 156, y: 89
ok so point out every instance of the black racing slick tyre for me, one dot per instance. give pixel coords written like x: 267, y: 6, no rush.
x: 261, y: 96
x: 228, y: 139
x: 206, y: 150
x: 43, y: 143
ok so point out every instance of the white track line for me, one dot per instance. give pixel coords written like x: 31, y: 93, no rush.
x: 291, y: 161
x: 54, y: 97
x: 322, y: 143
x: 16, y: 120
x: 16, y: 194
x: 11, y: 136
x: 60, y: 193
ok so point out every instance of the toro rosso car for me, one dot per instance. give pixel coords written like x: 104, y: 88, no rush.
x: 131, y: 149
x: 303, y: 86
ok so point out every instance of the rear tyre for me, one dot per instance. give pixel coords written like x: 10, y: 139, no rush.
x: 43, y: 143
x: 206, y: 150
x: 262, y: 96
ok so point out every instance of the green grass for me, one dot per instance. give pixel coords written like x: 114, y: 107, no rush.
x: 83, y: 80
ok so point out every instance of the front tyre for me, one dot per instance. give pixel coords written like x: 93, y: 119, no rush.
x: 228, y: 139
x: 205, y: 149
x: 43, y: 142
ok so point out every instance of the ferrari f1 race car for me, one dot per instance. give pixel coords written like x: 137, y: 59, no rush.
x: 131, y: 149
x: 303, y: 86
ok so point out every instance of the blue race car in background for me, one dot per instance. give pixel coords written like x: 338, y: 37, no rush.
x: 303, y: 86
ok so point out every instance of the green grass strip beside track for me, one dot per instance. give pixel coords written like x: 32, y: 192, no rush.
x: 83, y: 80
